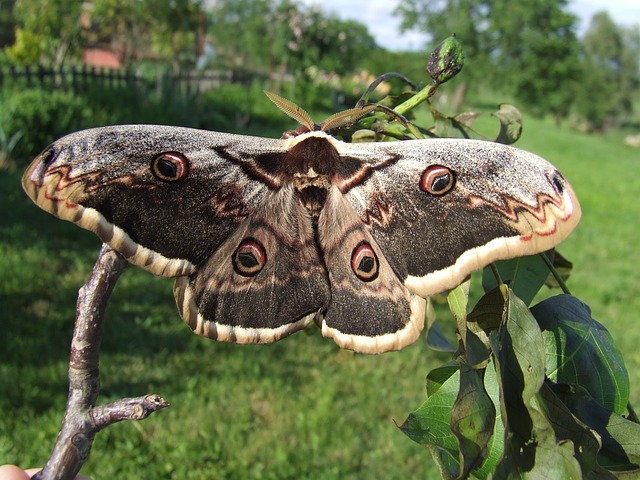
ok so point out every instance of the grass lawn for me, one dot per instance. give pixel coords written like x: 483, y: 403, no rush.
x: 300, y: 408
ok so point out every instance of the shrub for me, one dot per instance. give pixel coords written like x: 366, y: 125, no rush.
x: 42, y: 117
x: 234, y: 107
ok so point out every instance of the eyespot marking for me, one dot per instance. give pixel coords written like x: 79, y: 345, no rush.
x: 249, y: 258
x: 170, y: 166
x: 558, y: 182
x: 364, y: 262
x: 437, y: 180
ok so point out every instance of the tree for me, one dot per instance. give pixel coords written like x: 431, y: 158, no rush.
x: 242, y: 33
x: 7, y: 23
x: 164, y: 29
x: 270, y: 34
x: 611, y: 72
x: 328, y: 43
x: 534, y: 42
x: 47, y: 31
x: 51, y: 31
x: 468, y: 19
x: 539, y: 51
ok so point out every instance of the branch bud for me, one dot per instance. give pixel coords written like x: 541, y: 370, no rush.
x: 446, y: 60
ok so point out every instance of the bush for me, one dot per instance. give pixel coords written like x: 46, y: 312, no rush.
x: 236, y: 107
x: 42, y: 117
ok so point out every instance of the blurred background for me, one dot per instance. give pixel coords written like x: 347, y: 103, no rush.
x: 299, y: 408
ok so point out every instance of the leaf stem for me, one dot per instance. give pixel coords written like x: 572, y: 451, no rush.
x: 417, y: 99
x: 555, y: 273
x: 496, y: 273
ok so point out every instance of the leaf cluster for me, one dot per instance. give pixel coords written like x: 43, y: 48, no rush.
x: 538, y: 390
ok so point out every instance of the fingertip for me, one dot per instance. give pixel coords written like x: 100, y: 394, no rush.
x: 13, y: 472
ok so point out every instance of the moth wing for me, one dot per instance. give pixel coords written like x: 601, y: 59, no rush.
x: 371, y: 310
x: 265, y: 281
x: 502, y: 203
x: 108, y: 180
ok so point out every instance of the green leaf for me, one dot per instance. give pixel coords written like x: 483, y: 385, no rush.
x: 436, y: 339
x: 429, y: 424
x: 620, y: 437
x: 472, y: 419
x: 567, y: 427
x: 476, y: 353
x: 437, y: 377
x: 458, y: 298
x: 530, y: 441
x: 446, y: 462
x: 487, y: 315
x: 525, y: 275
x: 510, y: 123
x: 581, y: 351
x: 495, y: 447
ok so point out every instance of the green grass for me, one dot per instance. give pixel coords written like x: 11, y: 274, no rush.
x: 300, y: 408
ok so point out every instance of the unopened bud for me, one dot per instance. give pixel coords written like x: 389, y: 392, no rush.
x: 446, y: 60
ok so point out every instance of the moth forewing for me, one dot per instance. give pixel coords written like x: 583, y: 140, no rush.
x: 303, y: 228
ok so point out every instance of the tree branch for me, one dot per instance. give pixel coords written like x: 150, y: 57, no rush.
x: 82, y: 419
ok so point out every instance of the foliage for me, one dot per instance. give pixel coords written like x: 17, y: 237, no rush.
x: 540, y: 53
x: 7, y: 23
x: 286, y: 38
x: 164, y: 29
x: 237, y: 108
x: 52, y: 31
x: 610, y: 73
x: 7, y: 146
x: 531, y: 51
x: 47, y: 31
x: 539, y: 391
x: 528, y: 50
x: 40, y: 116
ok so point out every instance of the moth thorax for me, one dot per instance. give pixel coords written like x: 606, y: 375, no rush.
x: 312, y: 164
x: 312, y: 154
x: 313, y: 198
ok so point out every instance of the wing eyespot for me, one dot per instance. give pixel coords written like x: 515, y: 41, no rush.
x: 437, y: 180
x: 48, y: 156
x: 364, y: 262
x: 558, y: 182
x: 170, y: 166
x: 249, y: 258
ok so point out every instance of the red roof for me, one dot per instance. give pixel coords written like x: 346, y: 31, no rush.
x: 101, y: 58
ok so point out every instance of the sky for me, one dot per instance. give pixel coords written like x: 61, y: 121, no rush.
x: 377, y: 15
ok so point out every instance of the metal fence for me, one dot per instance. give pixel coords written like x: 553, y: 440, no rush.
x: 81, y: 78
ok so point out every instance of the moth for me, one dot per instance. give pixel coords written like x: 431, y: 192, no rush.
x: 265, y: 236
